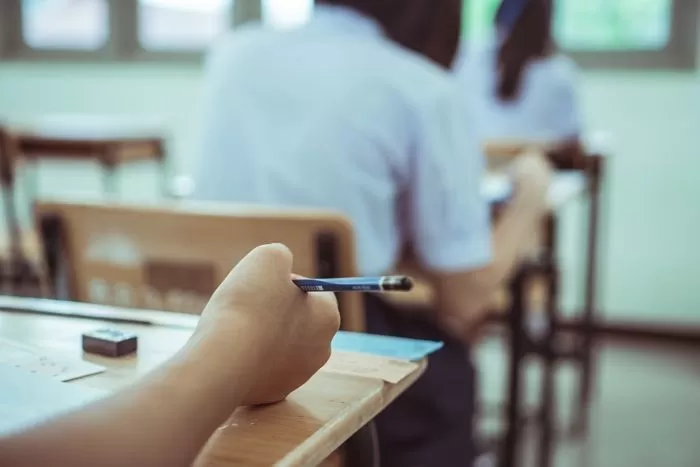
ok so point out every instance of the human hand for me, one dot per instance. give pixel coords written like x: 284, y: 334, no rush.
x: 532, y: 177
x: 262, y: 329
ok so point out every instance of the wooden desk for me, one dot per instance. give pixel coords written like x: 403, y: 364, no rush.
x: 564, y: 155
x: 109, y: 142
x: 566, y: 187
x: 302, y: 431
x: 527, y: 292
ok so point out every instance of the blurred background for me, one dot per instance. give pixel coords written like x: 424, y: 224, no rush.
x: 139, y: 63
x: 639, y: 86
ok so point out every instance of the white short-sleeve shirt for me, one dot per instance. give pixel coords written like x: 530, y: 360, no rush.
x: 546, y: 108
x: 334, y: 115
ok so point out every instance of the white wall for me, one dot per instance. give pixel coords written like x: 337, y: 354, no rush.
x: 653, y: 263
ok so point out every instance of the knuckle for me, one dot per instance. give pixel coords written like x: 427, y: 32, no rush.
x: 277, y: 251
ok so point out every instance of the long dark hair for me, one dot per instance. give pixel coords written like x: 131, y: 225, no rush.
x: 429, y: 27
x: 530, y: 37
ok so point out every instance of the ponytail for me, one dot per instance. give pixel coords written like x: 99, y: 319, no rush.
x: 529, y: 38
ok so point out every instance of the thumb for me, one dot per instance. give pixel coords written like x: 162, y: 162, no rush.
x: 273, y: 261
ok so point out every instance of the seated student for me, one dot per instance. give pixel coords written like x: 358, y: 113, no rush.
x: 356, y: 112
x: 520, y: 87
x: 257, y: 318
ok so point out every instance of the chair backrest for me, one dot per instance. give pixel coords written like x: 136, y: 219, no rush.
x: 172, y: 257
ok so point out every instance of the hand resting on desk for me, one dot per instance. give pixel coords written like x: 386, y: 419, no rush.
x: 285, y: 333
x: 258, y: 339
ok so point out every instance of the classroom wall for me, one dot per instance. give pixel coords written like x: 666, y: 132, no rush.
x: 653, y: 262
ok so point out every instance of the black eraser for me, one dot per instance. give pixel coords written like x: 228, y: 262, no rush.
x: 110, y: 342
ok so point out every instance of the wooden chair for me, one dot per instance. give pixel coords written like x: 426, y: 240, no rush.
x: 572, y: 157
x: 172, y: 257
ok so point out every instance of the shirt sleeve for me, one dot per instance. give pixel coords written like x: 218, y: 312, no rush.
x: 449, y: 218
x: 565, y: 117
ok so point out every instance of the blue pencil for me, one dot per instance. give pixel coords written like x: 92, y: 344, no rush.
x: 356, y: 284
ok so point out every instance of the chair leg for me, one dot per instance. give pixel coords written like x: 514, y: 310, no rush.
x: 586, y: 350
x: 510, y: 455
x: 548, y: 421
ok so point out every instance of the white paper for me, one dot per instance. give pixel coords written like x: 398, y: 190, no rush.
x: 26, y: 399
x: 33, y: 360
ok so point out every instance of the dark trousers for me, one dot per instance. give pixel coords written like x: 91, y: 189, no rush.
x: 431, y: 424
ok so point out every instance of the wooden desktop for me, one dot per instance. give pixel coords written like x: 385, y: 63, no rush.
x: 302, y: 431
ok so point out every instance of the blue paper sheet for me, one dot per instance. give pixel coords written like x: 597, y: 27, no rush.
x: 393, y: 347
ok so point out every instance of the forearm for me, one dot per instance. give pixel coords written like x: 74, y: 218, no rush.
x: 162, y: 421
x: 468, y: 295
x: 511, y: 238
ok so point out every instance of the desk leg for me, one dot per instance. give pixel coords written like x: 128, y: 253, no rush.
x: 109, y: 179
x: 15, y: 256
x: 108, y: 161
x: 514, y: 416
x: 31, y: 180
x: 587, y: 338
x: 165, y: 181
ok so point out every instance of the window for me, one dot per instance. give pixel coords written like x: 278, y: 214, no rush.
x: 614, y: 25
x: 65, y: 24
x: 287, y: 13
x: 612, y: 33
x: 597, y: 33
x: 189, y: 25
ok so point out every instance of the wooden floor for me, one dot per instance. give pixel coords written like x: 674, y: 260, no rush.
x: 646, y: 411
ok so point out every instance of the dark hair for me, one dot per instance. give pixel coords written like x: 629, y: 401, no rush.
x: 528, y: 39
x: 429, y: 27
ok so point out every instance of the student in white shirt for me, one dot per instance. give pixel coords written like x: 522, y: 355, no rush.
x: 519, y: 85
x: 357, y: 111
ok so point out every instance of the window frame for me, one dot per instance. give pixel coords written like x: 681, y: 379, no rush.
x: 681, y: 52
x: 17, y: 49
x: 122, y: 44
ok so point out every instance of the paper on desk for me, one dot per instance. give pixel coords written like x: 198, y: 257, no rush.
x: 392, y: 347
x: 370, y: 366
x: 36, y: 361
x: 26, y: 399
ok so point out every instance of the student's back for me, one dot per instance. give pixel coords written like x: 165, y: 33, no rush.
x: 546, y: 105
x: 358, y: 112
x: 364, y: 113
